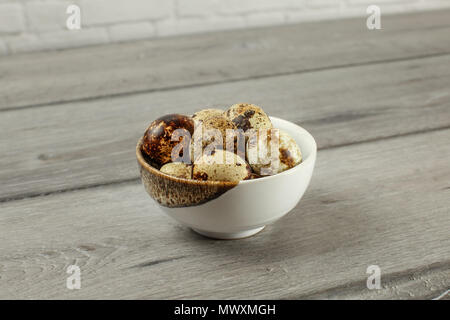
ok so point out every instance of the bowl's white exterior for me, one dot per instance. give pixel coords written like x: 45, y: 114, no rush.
x: 247, y: 208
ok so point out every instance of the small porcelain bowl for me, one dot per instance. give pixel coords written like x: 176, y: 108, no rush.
x: 225, y: 210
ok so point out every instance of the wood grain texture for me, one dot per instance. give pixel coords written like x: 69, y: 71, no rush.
x: 92, y: 143
x: 383, y: 203
x: 377, y: 102
x: 428, y: 282
x: 42, y: 78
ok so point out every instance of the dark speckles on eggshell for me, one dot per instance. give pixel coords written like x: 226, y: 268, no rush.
x: 248, y: 116
x: 242, y: 122
x: 173, y: 192
x: 200, y: 176
x: 157, y: 142
x: 287, y: 158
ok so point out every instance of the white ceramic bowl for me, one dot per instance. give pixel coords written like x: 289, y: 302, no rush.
x: 248, y: 207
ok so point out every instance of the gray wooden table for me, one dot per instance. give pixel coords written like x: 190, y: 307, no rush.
x: 377, y: 102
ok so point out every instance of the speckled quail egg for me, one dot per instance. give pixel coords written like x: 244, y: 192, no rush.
x: 202, y: 115
x: 258, y: 152
x: 178, y: 169
x: 248, y: 116
x: 210, y: 126
x: 221, y: 165
x: 157, y: 142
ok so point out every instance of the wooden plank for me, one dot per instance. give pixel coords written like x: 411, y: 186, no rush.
x: 50, y: 77
x: 421, y: 283
x: 90, y: 143
x: 384, y: 203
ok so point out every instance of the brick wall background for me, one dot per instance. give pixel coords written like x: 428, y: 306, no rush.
x: 34, y: 25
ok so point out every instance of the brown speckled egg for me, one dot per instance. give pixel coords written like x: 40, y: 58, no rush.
x: 221, y: 165
x: 220, y: 123
x: 248, y: 116
x: 258, y: 152
x: 157, y: 142
x: 202, y: 115
x: 178, y: 169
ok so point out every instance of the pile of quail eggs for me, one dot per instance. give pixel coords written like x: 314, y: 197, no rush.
x: 191, y: 147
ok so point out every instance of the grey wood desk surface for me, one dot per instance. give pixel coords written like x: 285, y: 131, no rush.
x: 377, y: 102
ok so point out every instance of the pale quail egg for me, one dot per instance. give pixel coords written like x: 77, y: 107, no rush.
x: 202, y: 115
x: 177, y: 169
x: 221, y: 165
x: 248, y: 116
x: 210, y: 129
x: 259, y: 154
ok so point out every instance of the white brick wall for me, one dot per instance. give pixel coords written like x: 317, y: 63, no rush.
x: 131, y: 31
x: 11, y: 18
x: 102, y: 12
x: 33, y: 25
x: 47, y: 16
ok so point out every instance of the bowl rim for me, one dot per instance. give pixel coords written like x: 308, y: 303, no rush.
x: 152, y: 170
